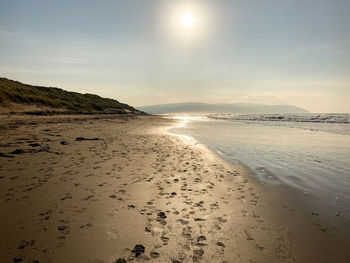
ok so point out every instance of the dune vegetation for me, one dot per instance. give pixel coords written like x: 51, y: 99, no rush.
x: 57, y: 100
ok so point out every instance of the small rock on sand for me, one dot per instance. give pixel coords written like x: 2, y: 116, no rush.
x: 161, y: 215
x: 17, y: 151
x: 86, y: 139
x: 138, y: 250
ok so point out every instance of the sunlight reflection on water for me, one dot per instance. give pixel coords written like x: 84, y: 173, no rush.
x: 309, y: 160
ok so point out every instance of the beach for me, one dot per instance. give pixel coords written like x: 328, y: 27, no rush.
x: 121, y: 188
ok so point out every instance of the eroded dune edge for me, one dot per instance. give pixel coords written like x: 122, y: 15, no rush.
x: 120, y: 189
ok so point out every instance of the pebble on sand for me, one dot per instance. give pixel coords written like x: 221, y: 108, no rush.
x: 161, y: 215
x: 138, y: 250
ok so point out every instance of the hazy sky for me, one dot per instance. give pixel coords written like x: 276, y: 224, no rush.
x: 267, y: 51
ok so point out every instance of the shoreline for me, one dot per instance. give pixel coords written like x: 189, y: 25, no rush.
x: 137, y: 185
x: 312, y: 211
x: 265, y: 171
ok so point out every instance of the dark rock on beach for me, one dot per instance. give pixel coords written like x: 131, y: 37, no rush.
x: 86, y: 139
x: 161, y: 215
x: 17, y: 151
x: 138, y: 250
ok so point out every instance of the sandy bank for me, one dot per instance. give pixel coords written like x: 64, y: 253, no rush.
x: 127, y: 191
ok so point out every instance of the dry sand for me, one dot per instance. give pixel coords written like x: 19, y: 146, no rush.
x: 137, y: 194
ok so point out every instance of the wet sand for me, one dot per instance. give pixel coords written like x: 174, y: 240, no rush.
x: 120, y: 189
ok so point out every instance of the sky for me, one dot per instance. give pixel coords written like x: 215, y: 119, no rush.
x: 137, y: 51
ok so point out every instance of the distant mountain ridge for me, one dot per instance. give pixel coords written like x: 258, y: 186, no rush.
x: 19, y: 97
x: 239, y: 108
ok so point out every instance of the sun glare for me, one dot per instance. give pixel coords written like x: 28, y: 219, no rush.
x: 187, y: 20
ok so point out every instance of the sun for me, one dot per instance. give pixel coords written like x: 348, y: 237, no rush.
x: 187, y: 19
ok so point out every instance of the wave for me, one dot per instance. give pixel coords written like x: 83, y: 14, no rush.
x: 309, y: 117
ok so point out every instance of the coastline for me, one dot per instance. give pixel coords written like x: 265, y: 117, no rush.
x: 304, y: 215
x: 95, y: 200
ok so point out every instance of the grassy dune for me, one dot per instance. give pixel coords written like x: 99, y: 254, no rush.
x: 56, y: 100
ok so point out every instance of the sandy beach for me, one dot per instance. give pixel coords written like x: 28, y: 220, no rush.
x: 112, y: 188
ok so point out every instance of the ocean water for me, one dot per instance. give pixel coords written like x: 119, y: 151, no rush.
x: 309, y: 152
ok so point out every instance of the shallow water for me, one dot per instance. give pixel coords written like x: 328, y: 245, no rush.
x: 314, y: 158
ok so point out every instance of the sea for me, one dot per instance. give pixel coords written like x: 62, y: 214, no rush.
x: 308, y: 152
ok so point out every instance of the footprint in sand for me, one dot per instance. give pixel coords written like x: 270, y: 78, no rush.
x: 197, y: 255
x: 221, y: 220
x: 182, y: 221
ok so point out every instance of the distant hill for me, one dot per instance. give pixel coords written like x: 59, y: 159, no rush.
x: 19, y: 97
x: 239, y: 108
